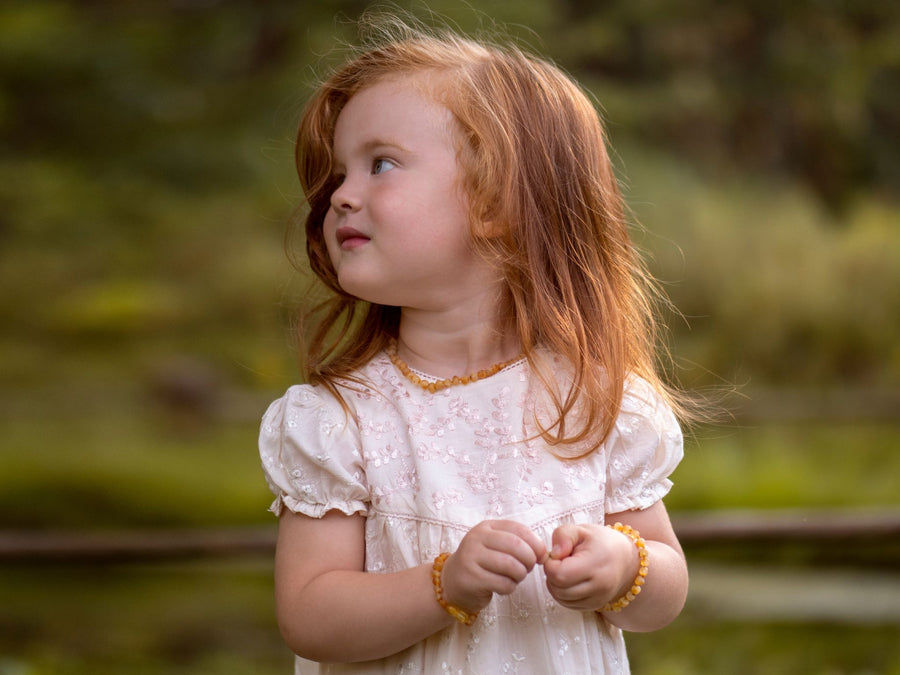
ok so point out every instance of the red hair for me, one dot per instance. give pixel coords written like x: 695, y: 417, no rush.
x: 545, y: 208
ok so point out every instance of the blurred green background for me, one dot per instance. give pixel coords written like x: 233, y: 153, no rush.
x: 145, y: 305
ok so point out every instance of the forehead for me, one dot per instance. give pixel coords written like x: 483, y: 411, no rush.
x: 396, y: 107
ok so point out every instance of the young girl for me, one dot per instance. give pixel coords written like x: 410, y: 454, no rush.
x: 483, y: 405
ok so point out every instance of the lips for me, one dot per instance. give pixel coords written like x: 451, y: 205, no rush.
x: 348, y: 237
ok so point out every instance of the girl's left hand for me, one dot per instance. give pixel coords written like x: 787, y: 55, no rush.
x: 589, y: 565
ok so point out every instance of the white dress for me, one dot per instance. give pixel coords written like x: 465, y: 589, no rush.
x: 424, y: 468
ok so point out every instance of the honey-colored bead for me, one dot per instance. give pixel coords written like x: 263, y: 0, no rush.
x: 434, y: 387
x: 643, y: 569
x: 460, y: 615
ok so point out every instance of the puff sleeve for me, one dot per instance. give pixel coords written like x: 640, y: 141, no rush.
x: 644, y: 448
x: 310, y: 454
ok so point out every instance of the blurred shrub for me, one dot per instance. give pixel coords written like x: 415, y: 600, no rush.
x: 147, y: 175
x: 807, y: 90
x: 771, y: 287
x: 117, y: 307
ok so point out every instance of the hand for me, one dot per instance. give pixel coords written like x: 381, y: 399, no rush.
x: 494, y: 557
x: 589, y: 565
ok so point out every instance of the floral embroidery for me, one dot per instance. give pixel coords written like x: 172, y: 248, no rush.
x: 482, y: 481
x: 426, y: 468
x: 511, y: 665
x: 537, y: 495
x: 451, y: 496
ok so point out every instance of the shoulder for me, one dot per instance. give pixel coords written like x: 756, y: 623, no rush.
x: 310, y: 454
x: 644, y: 406
x: 640, y: 394
x: 644, y: 448
x: 334, y: 406
x: 301, y: 404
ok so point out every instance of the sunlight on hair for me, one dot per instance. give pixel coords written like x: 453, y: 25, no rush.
x: 545, y: 209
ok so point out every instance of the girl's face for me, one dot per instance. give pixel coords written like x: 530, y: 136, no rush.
x: 397, y: 231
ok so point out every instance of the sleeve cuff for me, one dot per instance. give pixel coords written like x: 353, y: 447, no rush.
x: 294, y: 505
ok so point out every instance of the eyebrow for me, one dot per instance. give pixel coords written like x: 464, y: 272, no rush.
x: 374, y: 143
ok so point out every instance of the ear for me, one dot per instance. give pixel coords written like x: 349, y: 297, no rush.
x: 489, y: 229
x: 489, y: 225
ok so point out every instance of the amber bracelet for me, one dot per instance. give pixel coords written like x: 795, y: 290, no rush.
x: 641, y: 577
x: 459, y: 614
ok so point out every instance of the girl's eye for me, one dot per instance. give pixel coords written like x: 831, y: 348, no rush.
x: 382, y: 165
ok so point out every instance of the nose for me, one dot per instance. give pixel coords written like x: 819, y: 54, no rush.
x: 345, y: 198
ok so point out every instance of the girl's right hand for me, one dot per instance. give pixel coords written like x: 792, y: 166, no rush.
x: 494, y: 557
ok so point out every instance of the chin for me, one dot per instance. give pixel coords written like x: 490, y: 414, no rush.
x: 364, y: 292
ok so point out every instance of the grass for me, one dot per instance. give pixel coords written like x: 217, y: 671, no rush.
x: 136, y: 466
x: 218, y: 618
x: 123, y: 472
x: 193, y: 618
x: 691, y: 647
x: 120, y: 461
x: 171, y: 248
x: 112, y: 458
x: 805, y: 465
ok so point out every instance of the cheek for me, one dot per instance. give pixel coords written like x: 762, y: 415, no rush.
x: 454, y: 225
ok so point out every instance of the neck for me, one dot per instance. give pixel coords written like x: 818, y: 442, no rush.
x: 455, y: 342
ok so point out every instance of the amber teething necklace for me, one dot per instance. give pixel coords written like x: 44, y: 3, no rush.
x: 437, y: 385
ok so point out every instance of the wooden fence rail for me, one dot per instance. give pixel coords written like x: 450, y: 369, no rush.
x: 795, y: 525
x: 792, y: 526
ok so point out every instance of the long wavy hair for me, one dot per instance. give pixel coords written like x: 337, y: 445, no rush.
x: 545, y: 209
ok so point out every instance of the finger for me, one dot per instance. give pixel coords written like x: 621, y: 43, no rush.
x: 579, y: 593
x: 566, y: 573
x: 534, y: 542
x: 569, y: 583
x: 502, y: 568
x: 488, y: 572
x: 518, y: 540
x: 565, y: 540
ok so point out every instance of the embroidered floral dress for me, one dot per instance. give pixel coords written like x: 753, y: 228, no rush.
x: 425, y: 468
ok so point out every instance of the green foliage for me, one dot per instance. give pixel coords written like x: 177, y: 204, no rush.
x: 771, y: 287
x: 687, y: 648
x: 145, y: 467
x: 806, y: 90
x: 204, y: 618
x: 147, y: 178
x: 787, y: 466
x: 218, y: 619
x: 121, y: 459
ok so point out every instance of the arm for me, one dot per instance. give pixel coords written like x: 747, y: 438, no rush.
x: 323, y: 595
x: 592, y: 565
